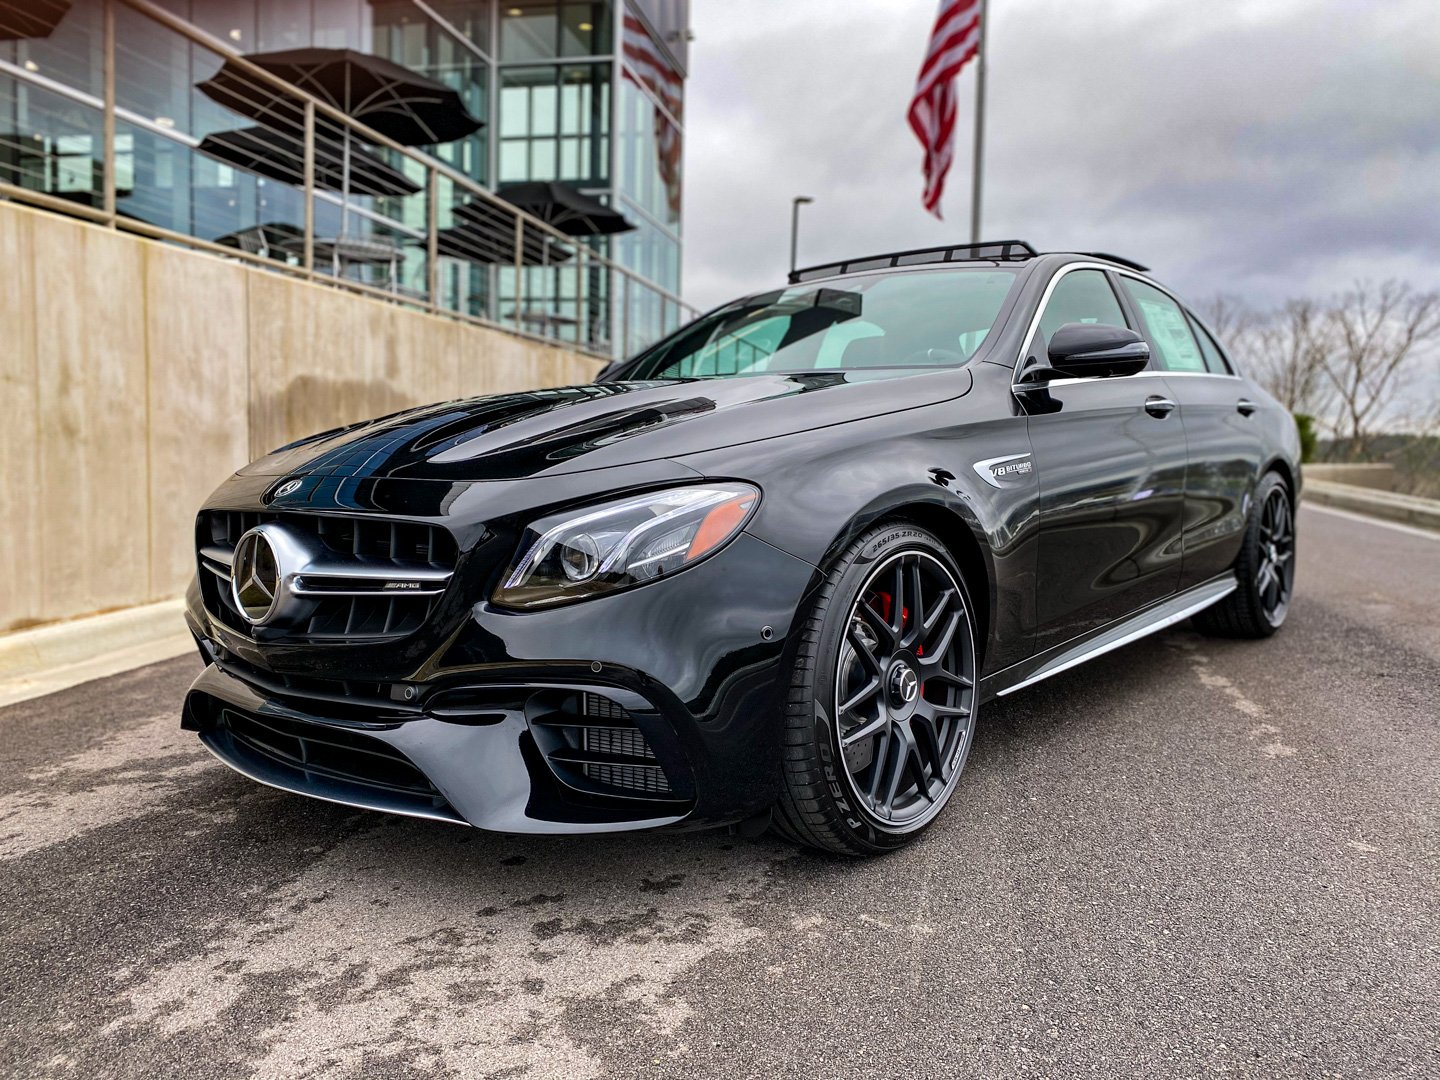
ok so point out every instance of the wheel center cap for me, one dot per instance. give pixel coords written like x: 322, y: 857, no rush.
x: 904, y: 684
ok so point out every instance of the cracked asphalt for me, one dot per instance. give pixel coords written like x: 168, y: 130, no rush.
x: 1189, y: 857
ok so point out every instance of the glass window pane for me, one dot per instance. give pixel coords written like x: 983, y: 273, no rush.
x: 406, y: 35
x: 514, y: 161
x: 1082, y: 296
x: 70, y: 54
x: 1214, y: 359
x: 1175, y: 348
x: 235, y: 24
x: 578, y: 94
x: 569, y: 157
x: 152, y: 70
x: 543, y: 101
x: 528, y: 30
x: 574, y: 103
x: 284, y: 24
x: 650, y: 154
x: 514, y: 107
x: 336, y: 24
x: 886, y: 324
x: 585, y: 29
x: 470, y: 17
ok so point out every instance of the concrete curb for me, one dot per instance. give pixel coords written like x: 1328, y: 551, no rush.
x: 51, y: 658
x: 1381, y: 504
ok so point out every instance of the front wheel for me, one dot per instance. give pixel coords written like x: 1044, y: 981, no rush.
x: 882, y: 702
x: 1264, y: 570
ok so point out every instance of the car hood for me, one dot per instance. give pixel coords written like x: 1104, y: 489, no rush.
x: 578, y: 428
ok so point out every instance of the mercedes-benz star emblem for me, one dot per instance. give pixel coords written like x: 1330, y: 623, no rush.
x: 907, y: 683
x: 289, y: 487
x: 255, y: 577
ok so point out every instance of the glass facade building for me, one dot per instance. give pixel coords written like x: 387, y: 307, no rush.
x: 586, y: 92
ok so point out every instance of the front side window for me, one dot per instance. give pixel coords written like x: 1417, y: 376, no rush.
x: 1081, y: 296
x: 1175, y: 347
x: 887, y: 324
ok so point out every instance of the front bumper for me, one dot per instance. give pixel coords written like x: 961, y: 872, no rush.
x: 491, y: 723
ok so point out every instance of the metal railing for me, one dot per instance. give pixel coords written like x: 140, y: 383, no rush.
x: 419, y: 233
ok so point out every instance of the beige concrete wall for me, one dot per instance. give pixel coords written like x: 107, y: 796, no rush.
x: 135, y: 376
x: 1380, y: 477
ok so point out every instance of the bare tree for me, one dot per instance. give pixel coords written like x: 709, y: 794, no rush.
x: 1283, y: 349
x: 1376, y: 332
x: 1289, y: 349
x: 1229, y: 316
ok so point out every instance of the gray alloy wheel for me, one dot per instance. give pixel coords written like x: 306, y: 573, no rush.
x: 1264, y: 569
x: 882, y: 711
x: 1275, y: 577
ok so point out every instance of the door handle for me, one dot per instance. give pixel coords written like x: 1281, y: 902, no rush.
x: 1158, y: 406
x: 1245, y: 406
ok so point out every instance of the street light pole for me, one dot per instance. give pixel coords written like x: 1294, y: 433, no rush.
x: 799, y: 201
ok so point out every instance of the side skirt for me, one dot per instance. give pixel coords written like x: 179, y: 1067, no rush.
x: 1118, y: 634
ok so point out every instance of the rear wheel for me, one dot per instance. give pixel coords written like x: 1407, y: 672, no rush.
x: 1264, y: 570
x: 882, y: 704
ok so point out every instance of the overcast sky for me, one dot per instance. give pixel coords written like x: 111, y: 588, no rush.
x: 1267, y: 148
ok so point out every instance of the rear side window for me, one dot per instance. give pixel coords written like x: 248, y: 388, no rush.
x: 1082, y: 296
x: 1214, y: 358
x: 1169, y: 330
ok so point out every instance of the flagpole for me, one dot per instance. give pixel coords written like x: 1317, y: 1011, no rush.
x: 978, y: 163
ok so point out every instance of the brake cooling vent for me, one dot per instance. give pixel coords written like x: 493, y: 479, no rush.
x: 624, y: 742
x: 593, y: 745
x: 642, y: 779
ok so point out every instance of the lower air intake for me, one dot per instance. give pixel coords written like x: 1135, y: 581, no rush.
x: 593, y: 745
x: 646, y: 779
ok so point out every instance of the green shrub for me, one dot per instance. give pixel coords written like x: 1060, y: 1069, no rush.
x: 1308, y: 438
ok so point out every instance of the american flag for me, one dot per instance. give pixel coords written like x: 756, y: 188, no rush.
x: 652, y: 71
x: 955, y: 39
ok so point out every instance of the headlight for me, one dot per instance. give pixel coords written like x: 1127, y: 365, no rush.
x: 583, y: 553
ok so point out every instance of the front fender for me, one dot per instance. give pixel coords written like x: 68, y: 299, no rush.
x: 822, y: 489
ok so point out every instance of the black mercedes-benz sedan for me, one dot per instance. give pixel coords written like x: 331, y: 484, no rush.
x: 766, y: 573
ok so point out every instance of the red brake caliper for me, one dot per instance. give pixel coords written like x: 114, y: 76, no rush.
x: 885, y: 601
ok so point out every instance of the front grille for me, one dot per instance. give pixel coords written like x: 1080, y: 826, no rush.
x: 318, y: 754
x: 592, y: 744
x: 356, y: 595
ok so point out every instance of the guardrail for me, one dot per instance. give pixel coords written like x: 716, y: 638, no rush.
x: 1409, y: 509
x: 398, y: 225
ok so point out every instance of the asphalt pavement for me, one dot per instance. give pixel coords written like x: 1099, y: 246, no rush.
x: 1190, y: 857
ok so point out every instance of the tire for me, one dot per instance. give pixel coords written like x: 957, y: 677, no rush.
x: 870, y: 772
x: 1265, y: 569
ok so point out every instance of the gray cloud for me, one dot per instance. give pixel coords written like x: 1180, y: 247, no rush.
x: 1266, y: 149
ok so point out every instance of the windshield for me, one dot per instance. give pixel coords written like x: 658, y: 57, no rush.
x: 881, y: 323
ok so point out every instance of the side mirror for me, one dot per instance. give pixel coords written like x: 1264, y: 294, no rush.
x: 1078, y: 350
